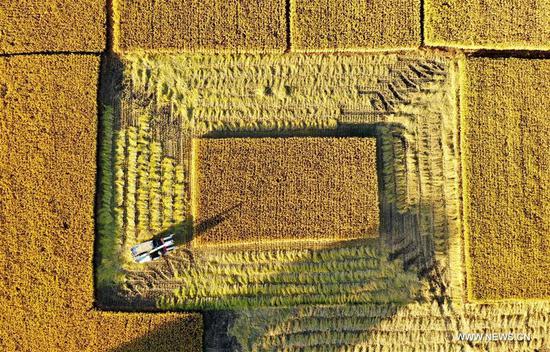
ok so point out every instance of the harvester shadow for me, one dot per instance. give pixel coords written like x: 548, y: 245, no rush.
x: 393, y: 288
x: 216, y: 220
x: 185, y: 231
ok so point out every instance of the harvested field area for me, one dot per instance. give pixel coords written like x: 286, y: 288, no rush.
x: 264, y: 189
x: 351, y: 274
x: 507, y: 190
x: 391, y: 327
x: 407, y: 102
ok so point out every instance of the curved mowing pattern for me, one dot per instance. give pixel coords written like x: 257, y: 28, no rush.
x: 282, y: 278
x: 390, y: 327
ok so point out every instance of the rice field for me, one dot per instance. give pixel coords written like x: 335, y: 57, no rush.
x: 354, y: 25
x: 511, y: 240
x: 192, y: 25
x: 338, y: 176
x: 47, y: 182
x: 39, y: 26
x: 190, y: 114
x: 512, y: 25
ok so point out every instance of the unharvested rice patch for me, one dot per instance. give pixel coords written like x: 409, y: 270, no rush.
x: 262, y: 189
x: 200, y: 25
x: 492, y: 24
x: 47, y: 186
x: 506, y: 138
x: 52, y: 25
x: 354, y: 24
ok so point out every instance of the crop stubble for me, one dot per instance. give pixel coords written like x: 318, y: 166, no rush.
x: 390, y: 327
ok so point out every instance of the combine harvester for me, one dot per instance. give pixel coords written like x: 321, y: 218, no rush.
x: 153, y: 249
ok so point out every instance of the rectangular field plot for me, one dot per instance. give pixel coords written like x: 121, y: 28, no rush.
x: 280, y: 221
x: 506, y: 138
x: 261, y: 189
x: 355, y: 24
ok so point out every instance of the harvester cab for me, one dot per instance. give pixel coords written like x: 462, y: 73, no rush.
x: 153, y: 249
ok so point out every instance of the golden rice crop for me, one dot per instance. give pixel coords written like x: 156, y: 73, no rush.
x: 200, y: 25
x: 506, y: 138
x: 493, y: 24
x: 354, y: 25
x: 258, y: 189
x: 132, y: 24
x: 52, y: 25
x: 47, y: 183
